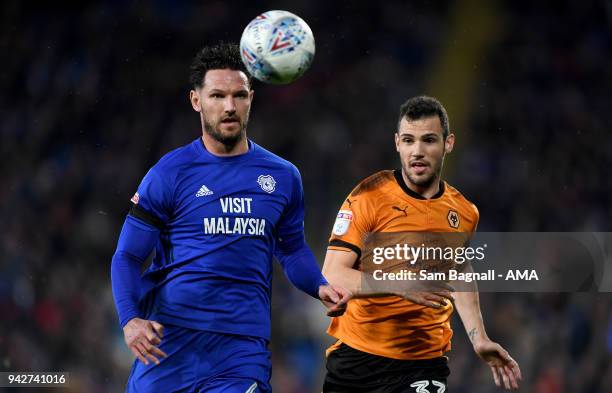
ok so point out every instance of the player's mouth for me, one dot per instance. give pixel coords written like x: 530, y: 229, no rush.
x: 229, y: 120
x: 419, y: 167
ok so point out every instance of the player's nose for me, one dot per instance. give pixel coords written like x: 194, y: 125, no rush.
x: 229, y: 104
x: 417, y: 150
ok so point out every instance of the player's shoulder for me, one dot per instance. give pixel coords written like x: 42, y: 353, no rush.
x: 457, y: 197
x: 375, y: 183
x: 176, y: 159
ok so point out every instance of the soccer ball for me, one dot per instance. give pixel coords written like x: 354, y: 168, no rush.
x: 277, y: 47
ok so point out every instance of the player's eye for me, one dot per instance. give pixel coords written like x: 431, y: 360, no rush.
x: 241, y: 95
x: 430, y: 140
x: 216, y: 95
x: 407, y: 140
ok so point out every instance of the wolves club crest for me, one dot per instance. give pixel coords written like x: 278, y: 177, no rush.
x: 453, y: 219
x: 267, y: 183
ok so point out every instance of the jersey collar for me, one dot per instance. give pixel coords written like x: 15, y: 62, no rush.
x: 235, y: 158
x: 400, y: 180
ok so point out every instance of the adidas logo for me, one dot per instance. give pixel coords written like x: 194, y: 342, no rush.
x: 203, y: 192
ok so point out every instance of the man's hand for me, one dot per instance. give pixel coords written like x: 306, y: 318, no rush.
x: 429, y: 299
x: 504, y: 368
x: 435, y: 295
x: 334, y: 298
x: 143, y: 337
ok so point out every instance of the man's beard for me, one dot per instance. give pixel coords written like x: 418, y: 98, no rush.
x: 425, y: 182
x: 229, y: 140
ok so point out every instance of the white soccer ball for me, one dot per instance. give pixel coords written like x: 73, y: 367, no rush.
x: 277, y: 47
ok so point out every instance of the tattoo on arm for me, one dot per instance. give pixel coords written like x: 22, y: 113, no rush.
x: 472, y: 334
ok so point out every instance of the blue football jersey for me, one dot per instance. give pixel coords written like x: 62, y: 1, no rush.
x: 220, y: 219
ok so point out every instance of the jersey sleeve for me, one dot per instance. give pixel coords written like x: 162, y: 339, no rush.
x: 152, y: 203
x: 136, y: 241
x: 353, y: 221
x: 292, y: 221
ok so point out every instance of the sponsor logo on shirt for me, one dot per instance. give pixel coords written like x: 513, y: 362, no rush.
x: 235, y: 225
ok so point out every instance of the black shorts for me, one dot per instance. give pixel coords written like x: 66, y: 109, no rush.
x: 353, y: 371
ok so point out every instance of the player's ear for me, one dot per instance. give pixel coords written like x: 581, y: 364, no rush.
x: 449, y: 143
x: 397, y: 140
x: 194, y: 98
x: 251, y: 95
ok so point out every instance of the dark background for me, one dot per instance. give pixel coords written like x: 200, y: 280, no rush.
x: 93, y: 94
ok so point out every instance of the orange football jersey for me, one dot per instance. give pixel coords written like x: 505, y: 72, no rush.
x: 391, y: 326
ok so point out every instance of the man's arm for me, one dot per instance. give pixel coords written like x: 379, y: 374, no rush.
x: 300, y: 267
x: 505, y: 370
x: 339, y: 270
x: 136, y: 241
x: 296, y: 258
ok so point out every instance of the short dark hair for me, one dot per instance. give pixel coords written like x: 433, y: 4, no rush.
x: 424, y: 106
x: 221, y: 56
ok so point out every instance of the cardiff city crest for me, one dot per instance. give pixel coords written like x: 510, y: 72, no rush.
x: 267, y: 183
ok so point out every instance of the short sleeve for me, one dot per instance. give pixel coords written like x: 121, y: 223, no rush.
x: 152, y: 203
x: 353, y: 222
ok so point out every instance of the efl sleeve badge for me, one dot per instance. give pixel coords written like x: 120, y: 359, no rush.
x: 343, y: 221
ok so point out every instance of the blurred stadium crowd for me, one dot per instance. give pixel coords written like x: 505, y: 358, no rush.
x: 92, y: 95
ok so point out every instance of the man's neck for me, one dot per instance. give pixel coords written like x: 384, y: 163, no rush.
x: 217, y: 148
x: 426, y: 191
